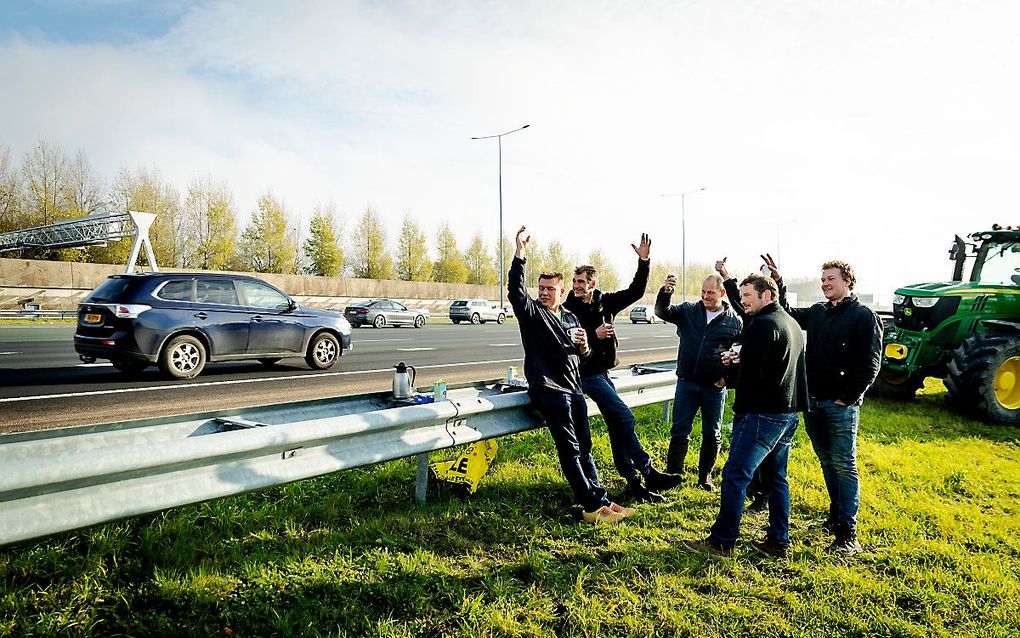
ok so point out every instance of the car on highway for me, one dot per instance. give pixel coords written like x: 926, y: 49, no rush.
x: 180, y: 321
x: 385, y: 312
x: 643, y: 313
x: 476, y: 311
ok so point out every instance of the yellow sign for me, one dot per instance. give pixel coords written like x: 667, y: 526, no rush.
x: 895, y: 351
x: 470, y: 466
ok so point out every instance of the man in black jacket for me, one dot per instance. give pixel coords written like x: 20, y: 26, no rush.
x: 771, y: 389
x: 596, y: 310
x: 706, y: 329
x: 844, y: 354
x: 554, y: 343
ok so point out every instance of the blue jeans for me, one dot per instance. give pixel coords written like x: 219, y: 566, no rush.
x: 566, y: 416
x: 628, y: 455
x: 691, y: 396
x: 833, y: 432
x: 758, y: 440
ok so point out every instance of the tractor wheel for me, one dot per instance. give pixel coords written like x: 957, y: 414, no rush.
x: 899, y: 386
x: 983, y: 379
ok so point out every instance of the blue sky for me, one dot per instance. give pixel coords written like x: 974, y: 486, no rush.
x: 870, y: 131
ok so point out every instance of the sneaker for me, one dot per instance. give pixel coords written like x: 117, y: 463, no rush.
x: 621, y: 510
x: 602, y: 515
x: 845, y: 546
x: 658, y: 481
x: 771, y: 547
x: 706, y: 547
x: 639, y: 493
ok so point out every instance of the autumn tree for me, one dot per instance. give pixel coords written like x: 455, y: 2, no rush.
x: 84, y: 192
x: 413, y: 263
x: 268, y: 244
x: 210, y: 226
x: 605, y: 275
x: 479, y: 262
x: 45, y: 171
x: 322, y: 248
x: 449, y: 265
x: 369, y: 258
x: 10, y: 192
x: 144, y: 190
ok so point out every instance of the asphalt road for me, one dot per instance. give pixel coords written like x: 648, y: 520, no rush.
x: 43, y: 385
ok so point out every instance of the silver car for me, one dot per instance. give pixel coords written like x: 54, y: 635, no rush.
x: 383, y: 312
x: 643, y: 313
x: 476, y: 311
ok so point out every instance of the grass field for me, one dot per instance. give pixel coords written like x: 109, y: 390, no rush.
x: 352, y: 555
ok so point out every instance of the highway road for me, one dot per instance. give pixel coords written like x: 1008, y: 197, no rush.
x: 43, y: 385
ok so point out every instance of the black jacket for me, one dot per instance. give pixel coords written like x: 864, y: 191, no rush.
x: 701, y: 343
x: 603, y: 308
x: 844, y: 347
x: 772, y: 375
x: 551, y: 360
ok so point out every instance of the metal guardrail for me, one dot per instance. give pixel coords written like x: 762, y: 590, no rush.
x: 59, y: 480
x: 38, y: 314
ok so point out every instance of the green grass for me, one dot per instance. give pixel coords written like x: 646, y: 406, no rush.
x: 350, y: 553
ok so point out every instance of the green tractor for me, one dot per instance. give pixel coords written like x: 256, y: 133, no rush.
x: 967, y: 332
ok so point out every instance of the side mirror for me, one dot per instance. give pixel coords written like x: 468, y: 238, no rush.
x: 291, y: 305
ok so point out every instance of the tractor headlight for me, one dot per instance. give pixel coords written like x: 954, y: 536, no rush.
x: 898, y: 299
x: 925, y: 302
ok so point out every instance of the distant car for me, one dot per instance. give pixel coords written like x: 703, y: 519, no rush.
x: 181, y: 321
x: 383, y: 312
x: 476, y: 311
x: 643, y: 313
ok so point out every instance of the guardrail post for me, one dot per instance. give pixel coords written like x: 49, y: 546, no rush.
x: 665, y: 412
x: 423, y: 477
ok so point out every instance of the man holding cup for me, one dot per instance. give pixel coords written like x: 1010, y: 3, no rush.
x: 554, y: 344
x: 706, y: 329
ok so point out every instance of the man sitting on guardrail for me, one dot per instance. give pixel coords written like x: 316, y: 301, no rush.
x: 554, y: 343
x: 596, y: 310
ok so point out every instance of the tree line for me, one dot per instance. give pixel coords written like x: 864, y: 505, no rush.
x: 200, y: 227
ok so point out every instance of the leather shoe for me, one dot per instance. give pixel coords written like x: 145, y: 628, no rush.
x: 658, y: 481
x: 641, y: 494
x: 771, y: 547
x: 706, y: 547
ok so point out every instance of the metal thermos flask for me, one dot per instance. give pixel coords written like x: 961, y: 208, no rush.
x: 403, y: 381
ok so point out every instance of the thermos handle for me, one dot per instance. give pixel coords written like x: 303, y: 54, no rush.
x: 413, y: 374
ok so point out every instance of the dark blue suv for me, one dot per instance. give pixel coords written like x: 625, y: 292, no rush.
x: 182, y: 320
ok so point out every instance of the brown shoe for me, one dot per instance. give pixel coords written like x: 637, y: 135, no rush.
x: 771, y: 547
x: 706, y: 547
x: 621, y: 510
x: 602, y: 515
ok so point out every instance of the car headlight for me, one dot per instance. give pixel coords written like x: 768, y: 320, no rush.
x: 925, y: 302
x: 898, y: 299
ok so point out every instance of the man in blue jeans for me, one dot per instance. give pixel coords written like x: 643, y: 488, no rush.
x: 554, y: 344
x: 844, y: 354
x: 706, y: 328
x: 597, y: 310
x: 771, y: 389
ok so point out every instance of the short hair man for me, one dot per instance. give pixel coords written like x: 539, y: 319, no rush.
x: 554, y: 343
x: 771, y: 390
x: 596, y: 310
x: 706, y: 328
x: 844, y: 354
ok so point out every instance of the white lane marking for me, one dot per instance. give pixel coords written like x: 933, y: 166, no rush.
x: 367, y: 340
x: 413, y: 349
x: 244, y: 381
x: 10, y: 353
x: 503, y: 345
x: 622, y: 338
x: 663, y: 336
x: 94, y: 365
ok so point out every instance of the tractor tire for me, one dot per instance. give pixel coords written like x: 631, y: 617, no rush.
x: 983, y: 378
x: 896, y: 386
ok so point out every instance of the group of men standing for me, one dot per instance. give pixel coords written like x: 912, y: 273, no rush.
x: 754, y: 342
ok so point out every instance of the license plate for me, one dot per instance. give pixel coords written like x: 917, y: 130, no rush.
x: 93, y: 318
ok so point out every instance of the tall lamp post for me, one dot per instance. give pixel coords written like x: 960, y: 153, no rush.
x: 683, y: 237
x: 499, y: 242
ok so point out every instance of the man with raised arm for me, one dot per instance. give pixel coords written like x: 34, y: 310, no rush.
x: 844, y: 354
x: 554, y: 344
x: 597, y: 310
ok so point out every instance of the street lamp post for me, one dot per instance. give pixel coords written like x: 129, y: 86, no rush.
x: 683, y: 237
x: 499, y: 242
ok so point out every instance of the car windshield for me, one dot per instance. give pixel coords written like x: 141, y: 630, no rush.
x: 111, y: 290
x: 1002, y: 264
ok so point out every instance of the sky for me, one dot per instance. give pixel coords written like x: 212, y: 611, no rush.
x: 870, y: 131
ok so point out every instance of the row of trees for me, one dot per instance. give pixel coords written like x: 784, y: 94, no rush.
x: 200, y: 228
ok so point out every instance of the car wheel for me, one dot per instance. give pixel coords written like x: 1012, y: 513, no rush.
x: 633, y: 321
x: 269, y: 362
x: 130, y: 367
x: 183, y: 358
x: 419, y: 321
x: 475, y: 319
x: 455, y: 320
x: 323, y: 351
x: 501, y: 318
x: 379, y: 322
